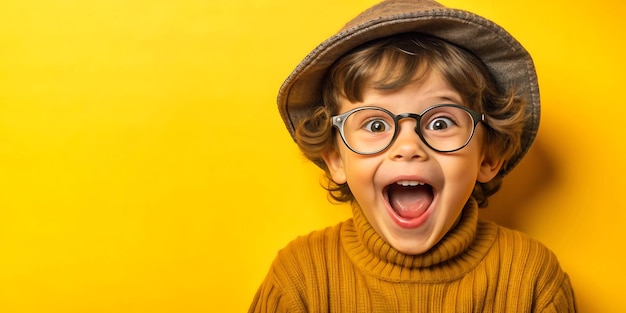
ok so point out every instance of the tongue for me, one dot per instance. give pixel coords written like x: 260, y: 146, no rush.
x: 410, y: 202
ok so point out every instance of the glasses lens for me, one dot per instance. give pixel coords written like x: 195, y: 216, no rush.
x: 368, y: 130
x: 446, y: 128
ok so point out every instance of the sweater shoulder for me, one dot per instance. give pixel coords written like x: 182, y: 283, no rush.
x: 313, y: 240
x: 521, y: 243
x: 531, y: 263
x: 301, y: 269
x: 310, y: 251
x: 523, y: 254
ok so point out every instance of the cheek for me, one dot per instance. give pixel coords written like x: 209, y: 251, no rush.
x: 357, y: 167
x: 461, y: 171
x: 360, y: 172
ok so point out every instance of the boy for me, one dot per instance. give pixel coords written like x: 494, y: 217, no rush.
x: 415, y: 112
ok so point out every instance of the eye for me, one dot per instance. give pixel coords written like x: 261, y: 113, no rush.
x: 440, y: 123
x: 376, y: 126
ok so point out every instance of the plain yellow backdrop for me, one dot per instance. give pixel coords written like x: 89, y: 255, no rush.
x: 144, y: 166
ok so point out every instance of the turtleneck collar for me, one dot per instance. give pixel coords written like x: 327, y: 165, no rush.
x: 458, y: 251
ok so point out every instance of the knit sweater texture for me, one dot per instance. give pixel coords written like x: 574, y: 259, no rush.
x: 477, y: 267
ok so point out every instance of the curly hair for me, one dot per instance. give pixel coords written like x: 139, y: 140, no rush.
x: 406, y: 58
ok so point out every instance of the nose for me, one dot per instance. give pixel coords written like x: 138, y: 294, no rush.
x: 408, y: 145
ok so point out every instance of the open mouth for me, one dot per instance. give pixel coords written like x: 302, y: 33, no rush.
x: 410, y: 199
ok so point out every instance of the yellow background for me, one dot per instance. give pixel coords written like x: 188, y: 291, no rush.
x: 144, y: 167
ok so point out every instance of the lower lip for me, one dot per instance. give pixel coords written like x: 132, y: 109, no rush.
x: 408, y: 223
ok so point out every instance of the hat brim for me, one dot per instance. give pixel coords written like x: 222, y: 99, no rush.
x: 507, y: 60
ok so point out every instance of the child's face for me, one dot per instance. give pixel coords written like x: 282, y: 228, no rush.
x: 412, y: 219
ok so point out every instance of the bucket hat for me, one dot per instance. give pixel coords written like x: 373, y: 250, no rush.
x: 506, y: 59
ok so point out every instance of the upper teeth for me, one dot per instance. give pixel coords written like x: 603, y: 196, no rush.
x: 411, y: 183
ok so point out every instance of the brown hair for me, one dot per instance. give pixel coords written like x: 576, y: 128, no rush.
x: 404, y: 58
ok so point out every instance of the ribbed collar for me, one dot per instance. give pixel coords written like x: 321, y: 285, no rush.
x: 456, y: 254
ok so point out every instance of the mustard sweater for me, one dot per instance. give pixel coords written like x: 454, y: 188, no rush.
x: 477, y: 267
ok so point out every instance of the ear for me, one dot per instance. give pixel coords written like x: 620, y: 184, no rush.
x: 333, y: 161
x: 489, y: 168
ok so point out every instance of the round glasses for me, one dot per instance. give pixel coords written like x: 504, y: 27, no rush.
x: 443, y: 127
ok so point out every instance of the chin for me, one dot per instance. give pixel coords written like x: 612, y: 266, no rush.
x: 412, y: 248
